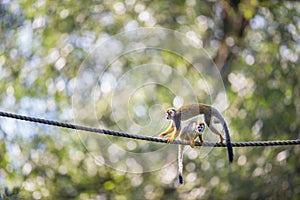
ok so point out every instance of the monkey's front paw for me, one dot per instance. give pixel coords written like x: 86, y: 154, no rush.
x: 170, y: 140
x: 161, y: 135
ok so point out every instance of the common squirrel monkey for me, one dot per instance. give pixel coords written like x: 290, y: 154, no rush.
x: 189, y: 133
x: 188, y: 111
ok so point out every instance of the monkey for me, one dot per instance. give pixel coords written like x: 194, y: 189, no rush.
x: 193, y: 130
x: 189, y: 133
x: 188, y: 111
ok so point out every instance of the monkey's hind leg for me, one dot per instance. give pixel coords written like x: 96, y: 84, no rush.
x: 215, y: 131
x: 169, y: 130
x: 191, y: 140
x: 192, y: 143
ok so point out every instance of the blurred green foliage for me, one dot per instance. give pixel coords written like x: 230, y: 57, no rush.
x: 255, y: 44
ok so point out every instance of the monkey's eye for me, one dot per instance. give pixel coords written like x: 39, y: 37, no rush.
x: 201, y: 128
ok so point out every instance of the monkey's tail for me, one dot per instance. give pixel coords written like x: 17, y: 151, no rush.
x: 228, y: 143
x: 227, y: 135
x: 180, y: 163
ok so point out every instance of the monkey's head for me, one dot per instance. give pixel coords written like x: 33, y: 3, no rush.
x: 170, y: 113
x: 200, y: 127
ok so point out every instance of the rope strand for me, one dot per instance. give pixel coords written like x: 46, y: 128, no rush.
x: 142, y: 137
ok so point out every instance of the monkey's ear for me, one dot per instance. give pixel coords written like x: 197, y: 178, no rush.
x: 172, y: 112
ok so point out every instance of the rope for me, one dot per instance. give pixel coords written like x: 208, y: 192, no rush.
x: 142, y: 137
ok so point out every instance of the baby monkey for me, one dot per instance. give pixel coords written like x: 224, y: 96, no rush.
x: 187, y: 112
x: 189, y: 133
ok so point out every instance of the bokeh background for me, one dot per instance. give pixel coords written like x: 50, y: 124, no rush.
x: 254, y: 44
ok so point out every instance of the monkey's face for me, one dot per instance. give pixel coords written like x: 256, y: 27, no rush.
x: 170, y: 113
x: 200, y: 127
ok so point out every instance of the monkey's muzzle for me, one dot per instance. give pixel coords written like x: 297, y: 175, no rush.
x: 201, y: 128
x: 168, y: 116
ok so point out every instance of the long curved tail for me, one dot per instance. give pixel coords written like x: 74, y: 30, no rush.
x: 228, y: 143
x: 227, y: 135
x: 180, y: 163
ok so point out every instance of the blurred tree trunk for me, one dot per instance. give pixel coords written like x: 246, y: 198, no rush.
x: 233, y: 24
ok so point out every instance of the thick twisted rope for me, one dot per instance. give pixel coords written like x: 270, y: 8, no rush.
x: 143, y: 137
